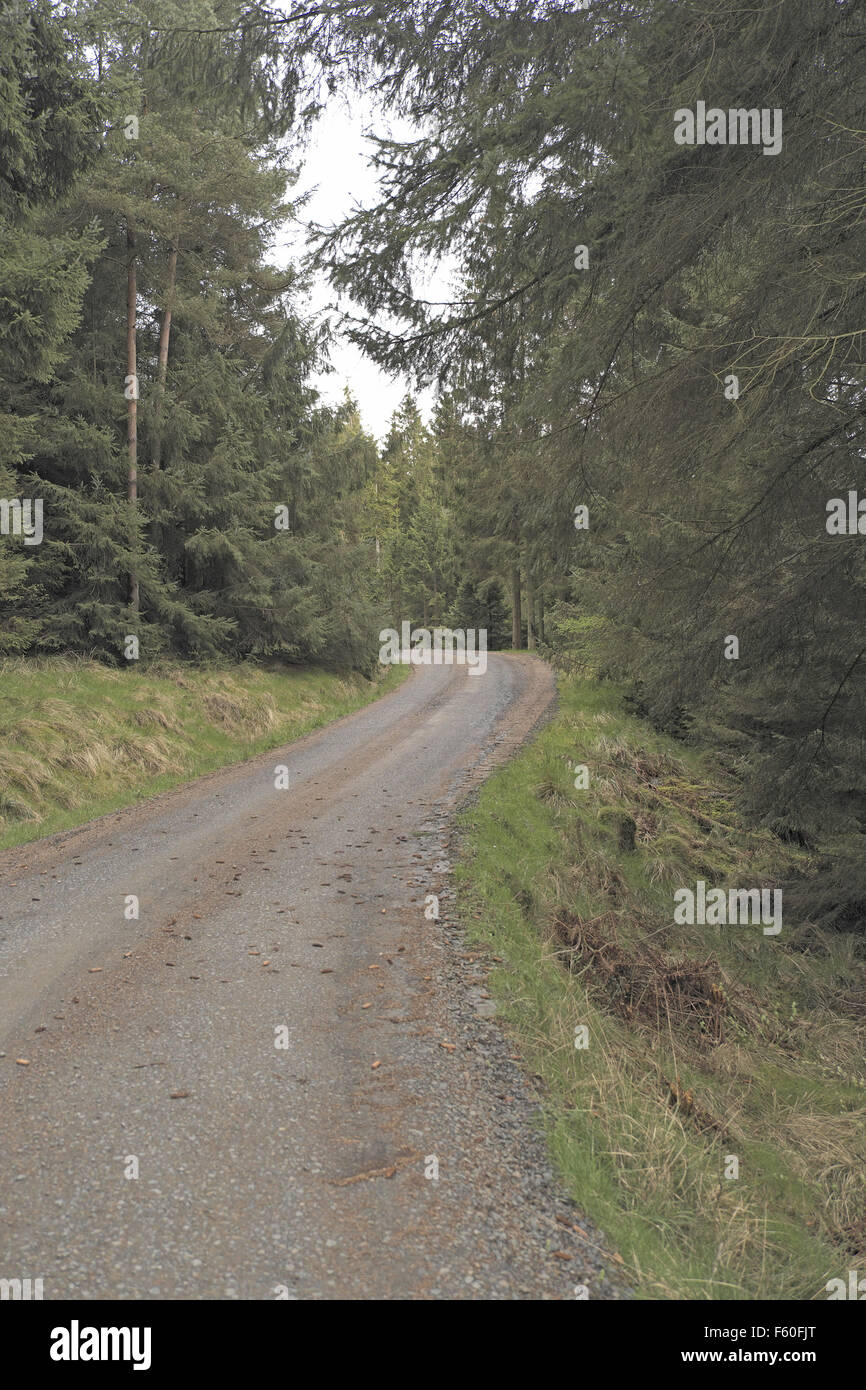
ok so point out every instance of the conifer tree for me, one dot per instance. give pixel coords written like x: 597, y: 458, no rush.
x: 50, y: 119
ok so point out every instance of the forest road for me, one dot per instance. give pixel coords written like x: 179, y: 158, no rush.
x: 282, y: 1044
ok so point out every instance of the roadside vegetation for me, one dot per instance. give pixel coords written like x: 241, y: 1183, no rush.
x: 79, y: 739
x: 705, y: 1043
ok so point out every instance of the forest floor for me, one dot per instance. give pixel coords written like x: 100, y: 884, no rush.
x: 712, y: 1116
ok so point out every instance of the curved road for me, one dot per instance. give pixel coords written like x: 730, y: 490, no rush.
x: 281, y: 1044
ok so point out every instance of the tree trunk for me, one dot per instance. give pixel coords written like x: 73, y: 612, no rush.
x: 162, y: 360
x: 132, y: 393
x: 541, y: 614
x: 516, y: 633
x: 530, y: 610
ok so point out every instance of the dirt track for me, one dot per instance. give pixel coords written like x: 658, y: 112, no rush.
x: 296, y: 1170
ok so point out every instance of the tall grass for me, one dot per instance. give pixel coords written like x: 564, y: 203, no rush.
x: 705, y: 1043
x: 78, y: 739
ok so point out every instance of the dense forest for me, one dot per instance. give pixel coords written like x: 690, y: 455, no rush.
x: 647, y: 452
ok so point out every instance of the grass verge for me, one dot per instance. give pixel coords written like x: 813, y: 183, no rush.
x: 705, y: 1043
x: 79, y: 740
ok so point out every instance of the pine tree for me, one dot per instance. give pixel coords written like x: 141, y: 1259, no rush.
x: 168, y: 439
x: 616, y: 281
x: 50, y: 119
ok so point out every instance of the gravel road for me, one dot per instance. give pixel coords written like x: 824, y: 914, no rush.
x: 282, y: 1041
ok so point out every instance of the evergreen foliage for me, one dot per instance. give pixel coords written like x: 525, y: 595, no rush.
x: 604, y: 380
x: 588, y: 464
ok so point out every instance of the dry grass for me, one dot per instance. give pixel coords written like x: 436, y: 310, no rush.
x: 79, y: 739
x: 705, y: 1044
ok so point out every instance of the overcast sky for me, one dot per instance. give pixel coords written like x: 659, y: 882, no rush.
x: 338, y: 171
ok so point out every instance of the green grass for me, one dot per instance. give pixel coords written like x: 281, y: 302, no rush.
x: 79, y: 740
x: 704, y: 1041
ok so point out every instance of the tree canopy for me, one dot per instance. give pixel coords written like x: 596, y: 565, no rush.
x: 647, y: 454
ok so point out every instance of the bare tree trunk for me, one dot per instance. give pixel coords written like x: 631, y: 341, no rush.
x: 162, y: 360
x: 530, y: 610
x: 516, y: 626
x: 541, y: 613
x: 132, y: 394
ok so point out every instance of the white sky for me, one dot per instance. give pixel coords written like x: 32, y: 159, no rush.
x: 337, y: 169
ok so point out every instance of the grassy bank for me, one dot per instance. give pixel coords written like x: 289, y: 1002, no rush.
x: 78, y: 739
x: 705, y: 1043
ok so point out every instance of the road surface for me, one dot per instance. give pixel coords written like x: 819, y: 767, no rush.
x: 282, y: 1047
